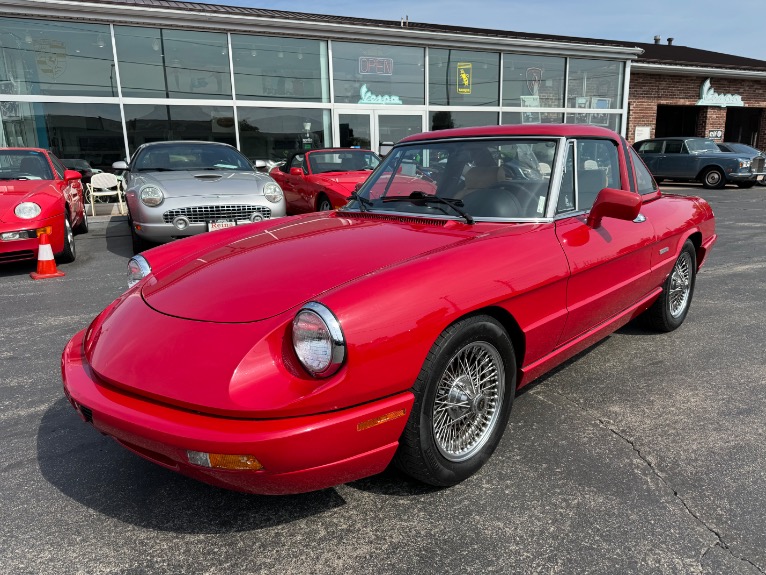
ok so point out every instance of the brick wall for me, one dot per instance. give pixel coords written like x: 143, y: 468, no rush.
x: 647, y: 91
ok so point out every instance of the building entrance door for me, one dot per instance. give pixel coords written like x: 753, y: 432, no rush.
x: 373, y: 129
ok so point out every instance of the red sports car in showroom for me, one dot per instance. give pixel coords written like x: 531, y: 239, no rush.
x: 297, y: 354
x: 321, y: 180
x: 38, y: 195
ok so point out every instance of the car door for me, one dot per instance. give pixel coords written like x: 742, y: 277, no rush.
x: 609, y: 264
x: 72, y: 190
x: 293, y: 185
x: 675, y: 161
x: 651, y: 153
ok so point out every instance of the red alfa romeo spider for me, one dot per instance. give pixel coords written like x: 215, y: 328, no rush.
x: 321, y: 180
x: 297, y: 354
x: 38, y: 195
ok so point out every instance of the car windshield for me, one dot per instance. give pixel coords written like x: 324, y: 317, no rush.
x: 345, y: 161
x: 702, y: 145
x: 24, y: 165
x: 190, y: 156
x: 505, y: 178
x: 76, y: 164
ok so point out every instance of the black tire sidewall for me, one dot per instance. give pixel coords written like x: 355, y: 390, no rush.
x: 674, y: 322
x: 321, y: 200
x: 721, y: 181
x: 480, y: 328
x: 69, y: 253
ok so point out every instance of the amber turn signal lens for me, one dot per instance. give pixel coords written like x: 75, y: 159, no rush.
x: 361, y: 426
x: 224, y: 461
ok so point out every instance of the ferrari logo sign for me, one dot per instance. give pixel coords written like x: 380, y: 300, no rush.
x: 464, y: 78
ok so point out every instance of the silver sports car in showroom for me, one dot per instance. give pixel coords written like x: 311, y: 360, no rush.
x: 179, y: 189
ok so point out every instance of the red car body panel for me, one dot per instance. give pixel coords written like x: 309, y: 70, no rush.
x: 302, y: 192
x: 224, y: 377
x: 55, y: 197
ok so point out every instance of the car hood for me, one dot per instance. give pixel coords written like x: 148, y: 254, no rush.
x: 13, y: 192
x: 205, y: 183
x: 286, y: 263
x: 344, y: 180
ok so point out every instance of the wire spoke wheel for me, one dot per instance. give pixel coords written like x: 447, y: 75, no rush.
x: 467, y: 402
x: 680, y: 285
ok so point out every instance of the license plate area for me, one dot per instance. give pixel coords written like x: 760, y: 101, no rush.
x: 220, y: 225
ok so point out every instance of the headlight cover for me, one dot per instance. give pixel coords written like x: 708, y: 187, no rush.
x: 318, y: 340
x: 27, y: 210
x: 138, y: 269
x: 273, y: 192
x: 151, y: 196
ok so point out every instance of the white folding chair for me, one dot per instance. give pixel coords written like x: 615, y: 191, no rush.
x: 105, y: 184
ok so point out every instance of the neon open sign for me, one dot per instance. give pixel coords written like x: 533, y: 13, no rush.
x: 378, y: 66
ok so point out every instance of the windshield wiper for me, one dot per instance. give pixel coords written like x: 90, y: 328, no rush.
x: 364, y: 203
x: 418, y: 196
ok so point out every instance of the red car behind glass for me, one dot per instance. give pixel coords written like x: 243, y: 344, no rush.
x: 321, y: 180
x: 299, y: 353
x: 38, y: 194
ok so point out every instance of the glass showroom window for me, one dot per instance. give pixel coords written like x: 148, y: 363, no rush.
x: 196, y: 64
x: 148, y: 123
x: 612, y: 121
x: 462, y: 78
x: 272, y: 133
x: 377, y: 74
x: 92, y: 132
x: 444, y: 120
x: 533, y: 82
x: 282, y: 69
x: 56, y: 58
x: 595, y: 84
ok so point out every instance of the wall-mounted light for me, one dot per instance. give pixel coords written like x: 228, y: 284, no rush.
x: 156, y: 44
x: 28, y: 38
x: 100, y: 41
x: 223, y: 51
x: 280, y: 54
x: 300, y: 54
x: 254, y: 52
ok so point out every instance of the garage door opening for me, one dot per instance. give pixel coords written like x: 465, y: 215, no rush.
x: 676, y: 121
x: 742, y: 125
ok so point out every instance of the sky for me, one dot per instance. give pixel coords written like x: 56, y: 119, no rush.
x: 732, y: 27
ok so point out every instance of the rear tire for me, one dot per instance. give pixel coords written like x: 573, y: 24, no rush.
x: 713, y: 179
x: 82, y: 227
x: 745, y: 185
x: 463, y: 397
x: 670, y: 309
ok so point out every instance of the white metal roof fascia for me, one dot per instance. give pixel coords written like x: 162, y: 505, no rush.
x: 678, y: 70
x: 137, y: 15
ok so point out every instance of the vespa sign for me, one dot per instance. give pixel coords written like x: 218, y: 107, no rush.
x: 709, y: 97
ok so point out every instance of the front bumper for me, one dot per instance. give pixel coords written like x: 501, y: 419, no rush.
x: 746, y: 176
x: 12, y: 250
x: 298, y: 454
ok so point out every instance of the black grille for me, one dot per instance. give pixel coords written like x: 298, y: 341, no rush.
x: 758, y: 163
x: 202, y: 214
x: 17, y: 256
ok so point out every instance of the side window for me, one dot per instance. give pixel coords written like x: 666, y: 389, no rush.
x: 650, y: 147
x: 598, y: 167
x: 673, y: 146
x: 298, y: 162
x: 58, y: 166
x: 646, y: 183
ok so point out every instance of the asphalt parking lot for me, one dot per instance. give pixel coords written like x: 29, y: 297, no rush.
x: 644, y: 454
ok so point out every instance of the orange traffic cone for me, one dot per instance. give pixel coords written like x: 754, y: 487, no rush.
x: 46, y: 265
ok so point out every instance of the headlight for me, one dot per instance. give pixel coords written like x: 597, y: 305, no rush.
x: 27, y: 210
x: 744, y: 163
x: 138, y: 269
x: 273, y: 192
x: 151, y: 196
x: 318, y: 340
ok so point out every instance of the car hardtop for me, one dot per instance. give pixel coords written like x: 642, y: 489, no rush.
x: 149, y: 145
x: 517, y: 130
x: 685, y: 139
x: 285, y: 167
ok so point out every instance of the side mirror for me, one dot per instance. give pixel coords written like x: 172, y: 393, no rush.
x: 612, y: 203
x: 296, y: 171
x: 259, y: 164
x: 70, y: 175
x: 120, y: 165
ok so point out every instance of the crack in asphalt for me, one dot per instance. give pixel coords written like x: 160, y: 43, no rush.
x: 610, y: 426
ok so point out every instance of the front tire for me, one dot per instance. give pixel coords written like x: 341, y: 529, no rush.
x: 323, y: 203
x: 713, y: 179
x: 69, y: 253
x: 463, y: 397
x: 82, y: 227
x: 670, y: 309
